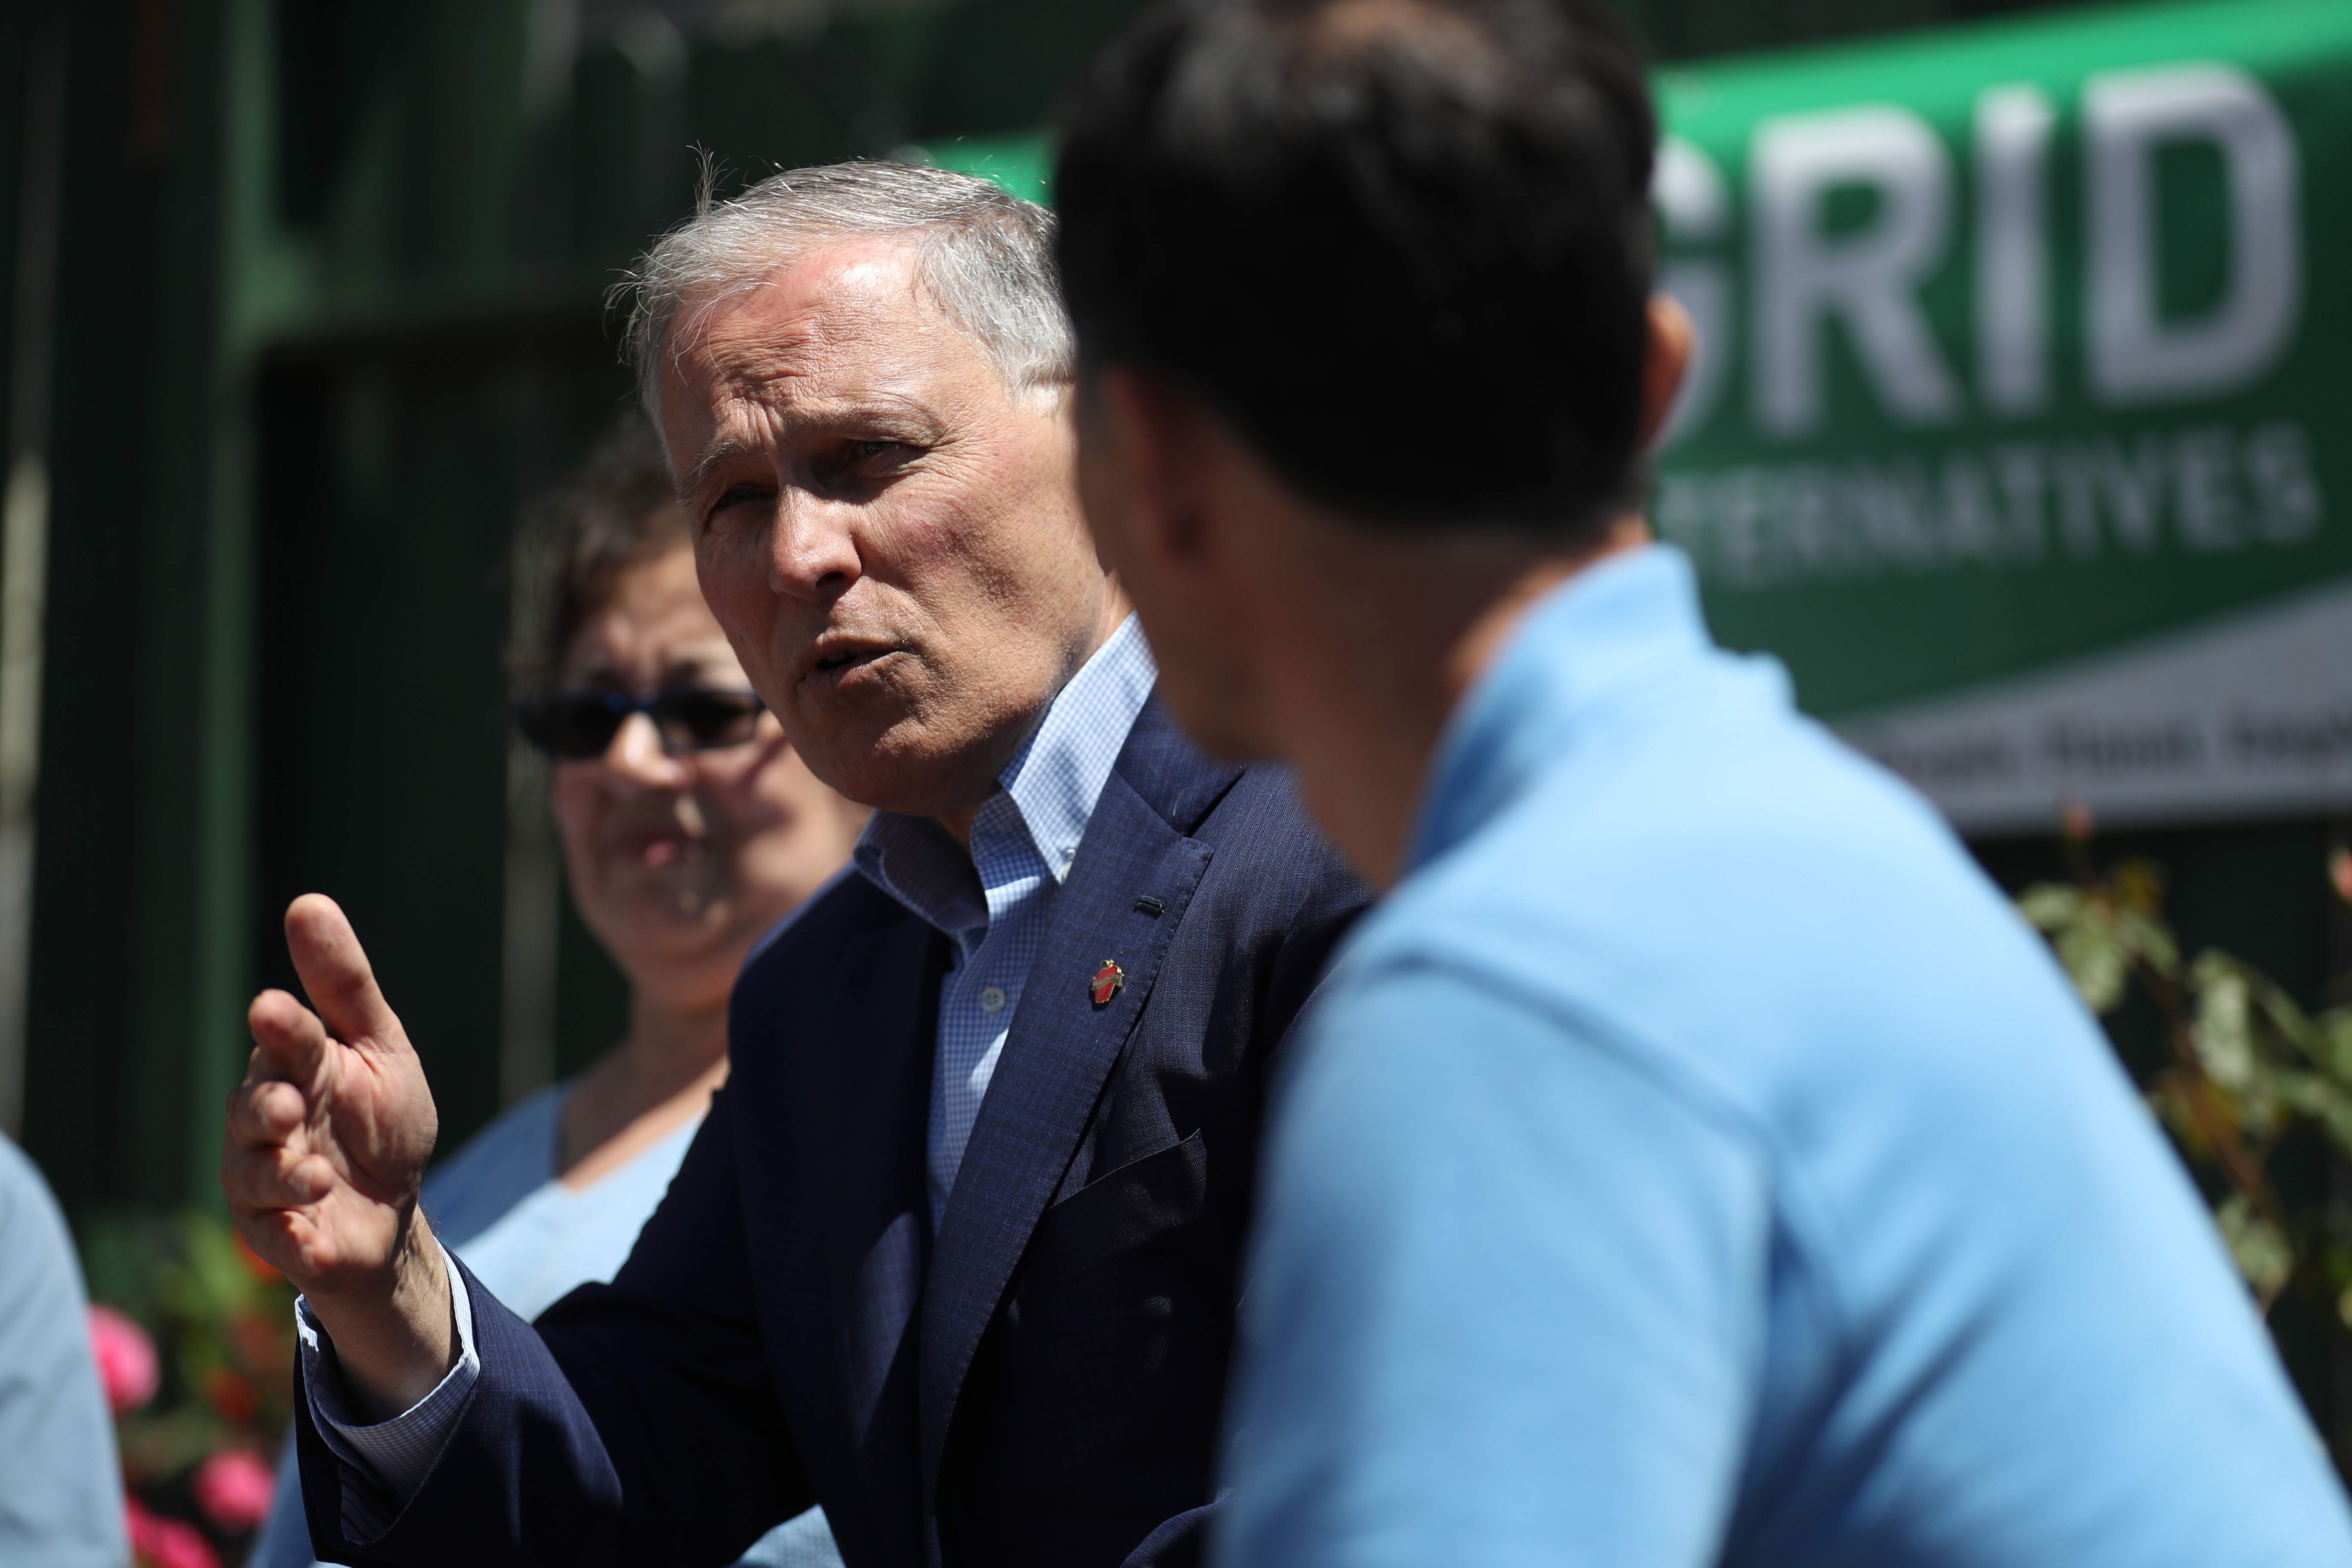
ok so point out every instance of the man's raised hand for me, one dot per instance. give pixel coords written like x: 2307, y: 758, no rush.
x: 328, y: 1139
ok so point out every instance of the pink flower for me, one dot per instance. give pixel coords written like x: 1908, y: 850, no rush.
x: 126, y: 1359
x: 235, y: 1489
x: 166, y: 1542
x: 138, y: 1524
x: 178, y: 1544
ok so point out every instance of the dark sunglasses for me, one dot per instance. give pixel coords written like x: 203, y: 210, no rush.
x: 577, y: 725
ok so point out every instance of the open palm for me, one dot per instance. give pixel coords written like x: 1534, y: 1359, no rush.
x: 330, y: 1133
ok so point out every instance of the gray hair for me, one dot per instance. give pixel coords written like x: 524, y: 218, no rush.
x: 986, y: 259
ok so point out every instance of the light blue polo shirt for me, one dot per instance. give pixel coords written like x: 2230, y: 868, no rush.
x: 1696, y: 1161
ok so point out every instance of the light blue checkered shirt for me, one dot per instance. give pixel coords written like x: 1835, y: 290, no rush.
x: 995, y: 905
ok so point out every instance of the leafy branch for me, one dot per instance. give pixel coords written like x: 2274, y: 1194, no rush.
x: 2246, y: 1066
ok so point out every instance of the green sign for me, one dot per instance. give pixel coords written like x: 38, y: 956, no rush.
x: 2021, y: 405
x: 1021, y: 163
x: 2020, y: 427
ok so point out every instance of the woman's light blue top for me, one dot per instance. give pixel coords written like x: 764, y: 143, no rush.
x: 1696, y: 1161
x: 532, y: 1239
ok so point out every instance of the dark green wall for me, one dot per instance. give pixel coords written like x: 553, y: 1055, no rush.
x: 121, y: 909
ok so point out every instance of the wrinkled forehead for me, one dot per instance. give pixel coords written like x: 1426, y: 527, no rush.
x: 846, y: 320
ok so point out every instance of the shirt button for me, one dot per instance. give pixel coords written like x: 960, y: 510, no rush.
x: 991, y: 999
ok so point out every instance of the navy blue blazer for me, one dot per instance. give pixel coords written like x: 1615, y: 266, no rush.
x: 1040, y: 1382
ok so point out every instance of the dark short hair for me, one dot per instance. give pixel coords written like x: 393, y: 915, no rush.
x: 1403, y: 247
x: 617, y: 509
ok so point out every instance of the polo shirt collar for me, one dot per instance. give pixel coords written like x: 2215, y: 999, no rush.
x: 1605, y: 627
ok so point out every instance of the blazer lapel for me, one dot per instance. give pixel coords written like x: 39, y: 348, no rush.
x: 1062, y: 1045
x: 883, y: 1016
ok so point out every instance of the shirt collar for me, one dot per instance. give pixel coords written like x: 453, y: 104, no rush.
x: 1056, y: 778
x: 1604, y: 626
x: 1053, y: 781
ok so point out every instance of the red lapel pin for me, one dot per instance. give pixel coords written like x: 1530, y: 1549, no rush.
x: 1107, y: 982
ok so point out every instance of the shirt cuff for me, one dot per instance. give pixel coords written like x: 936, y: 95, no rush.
x: 392, y: 1457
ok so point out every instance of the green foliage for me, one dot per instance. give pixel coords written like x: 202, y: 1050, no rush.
x: 2246, y: 1069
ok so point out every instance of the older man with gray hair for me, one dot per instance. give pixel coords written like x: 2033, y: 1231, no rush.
x: 956, y: 1252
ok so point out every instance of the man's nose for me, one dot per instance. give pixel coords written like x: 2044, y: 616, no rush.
x: 812, y: 548
x: 637, y: 757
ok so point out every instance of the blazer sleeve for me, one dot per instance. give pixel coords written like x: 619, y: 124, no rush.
x: 636, y: 1424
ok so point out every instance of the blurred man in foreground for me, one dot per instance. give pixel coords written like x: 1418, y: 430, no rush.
x: 955, y: 1251
x: 1694, y: 1160
x: 60, y: 1487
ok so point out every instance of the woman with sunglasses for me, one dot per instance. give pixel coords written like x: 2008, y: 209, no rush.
x: 691, y: 829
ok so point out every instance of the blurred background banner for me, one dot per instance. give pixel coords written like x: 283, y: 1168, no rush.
x: 2019, y: 429
x: 2018, y: 410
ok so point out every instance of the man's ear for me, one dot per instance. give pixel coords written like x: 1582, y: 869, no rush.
x: 1672, y: 338
x: 1156, y: 434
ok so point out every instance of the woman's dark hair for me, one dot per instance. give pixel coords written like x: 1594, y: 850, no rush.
x: 1403, y: 246
x: 616, y: 511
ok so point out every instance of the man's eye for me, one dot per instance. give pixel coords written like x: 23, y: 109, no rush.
x: 864, y: 462
x: 731, y: 497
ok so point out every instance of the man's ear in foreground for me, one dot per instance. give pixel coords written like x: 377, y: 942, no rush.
x: 1673, y: 340
x: 1176, y: 504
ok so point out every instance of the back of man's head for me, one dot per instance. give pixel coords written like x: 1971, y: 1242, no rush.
x: 1403, y: 247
